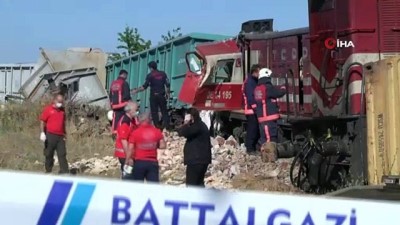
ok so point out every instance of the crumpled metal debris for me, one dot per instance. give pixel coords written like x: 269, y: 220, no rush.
x: 231, y: 167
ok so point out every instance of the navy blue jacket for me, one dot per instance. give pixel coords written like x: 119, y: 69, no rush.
x: 157, y: 81
x: 265, y: 96
x: 248, y: 90
x: 119, y: 93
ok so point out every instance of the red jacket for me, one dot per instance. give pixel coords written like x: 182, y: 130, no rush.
x: 54, y: 119
x: 145, y: 139
x: 125, y: 128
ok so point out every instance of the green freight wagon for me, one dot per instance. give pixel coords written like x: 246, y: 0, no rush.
x: 170, y: 57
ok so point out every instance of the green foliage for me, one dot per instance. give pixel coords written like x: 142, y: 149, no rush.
x: 172, y: 35
x: 132, y: 42
x: 114, y: 57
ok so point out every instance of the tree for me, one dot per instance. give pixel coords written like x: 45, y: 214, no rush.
x: 172, y: 35
x: 131, y: 43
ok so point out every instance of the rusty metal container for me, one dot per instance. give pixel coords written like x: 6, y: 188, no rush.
x: 382, y: 82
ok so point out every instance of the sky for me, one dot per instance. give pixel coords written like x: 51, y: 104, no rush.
x: 27, y: 25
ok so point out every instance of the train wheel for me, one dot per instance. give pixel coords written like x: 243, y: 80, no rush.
x: 298, y: 173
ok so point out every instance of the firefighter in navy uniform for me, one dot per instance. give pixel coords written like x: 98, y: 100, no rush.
x: 159, y: 93
x: 120, y: 95
x: 267, y: 111
x: 252, y: 129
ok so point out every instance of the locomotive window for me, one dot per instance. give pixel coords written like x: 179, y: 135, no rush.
x: 223, y: 71
x: 194, y: 63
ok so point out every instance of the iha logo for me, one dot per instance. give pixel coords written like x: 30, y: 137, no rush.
x: 331, y: 43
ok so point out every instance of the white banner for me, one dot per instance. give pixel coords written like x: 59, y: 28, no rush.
x: 28, y: 199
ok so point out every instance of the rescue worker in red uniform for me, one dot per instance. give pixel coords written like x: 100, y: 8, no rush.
x: 143, y: 145
x: 119, y: 96
x: 53, y: 134
x: 159, y: 93
x: 126, y: 125
x: 267, y: 109
x: 252, y: 128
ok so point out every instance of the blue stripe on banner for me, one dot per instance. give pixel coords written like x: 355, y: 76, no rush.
x: 79, y: 204
x: 55, y: 203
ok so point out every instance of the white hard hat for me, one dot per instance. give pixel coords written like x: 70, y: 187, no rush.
x: 110, y: 115
x: 264, y: 72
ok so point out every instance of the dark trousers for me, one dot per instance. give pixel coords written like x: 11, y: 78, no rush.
x: 127, y: 176
x: 252, y: 133
x: 159, y: 102
x: 269, y: 131
x: 55, y: 143
x: 146, y: 170
x: 122, y: 162
x: 118, y: 113
x: 195, y: 174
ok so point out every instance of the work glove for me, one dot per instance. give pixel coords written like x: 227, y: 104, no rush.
x: 127, y: 169
x: 43, y: 136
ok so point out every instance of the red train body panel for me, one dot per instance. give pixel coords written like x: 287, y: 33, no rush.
x: 323, y: 78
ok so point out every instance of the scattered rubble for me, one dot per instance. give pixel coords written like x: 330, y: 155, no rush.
x: 231, y: 167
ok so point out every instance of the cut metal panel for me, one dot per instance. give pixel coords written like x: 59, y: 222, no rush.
x: 12, y: 76
x: 383, y: 114
x: 90, y: 89
x: 50, y: 61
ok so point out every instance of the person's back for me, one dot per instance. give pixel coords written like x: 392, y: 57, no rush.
x: 157, y: 82
x: 119, y: 92
x: 143, y: 144
x: 146, y: 139
x: 159, y: 93
x: 265, y: 96
x: 119, y: 97
x: 267, y: 111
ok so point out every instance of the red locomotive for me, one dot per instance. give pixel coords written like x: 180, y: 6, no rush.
x: 322, y: 68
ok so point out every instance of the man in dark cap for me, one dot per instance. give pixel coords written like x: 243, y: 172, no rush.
x: 159, y: 93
